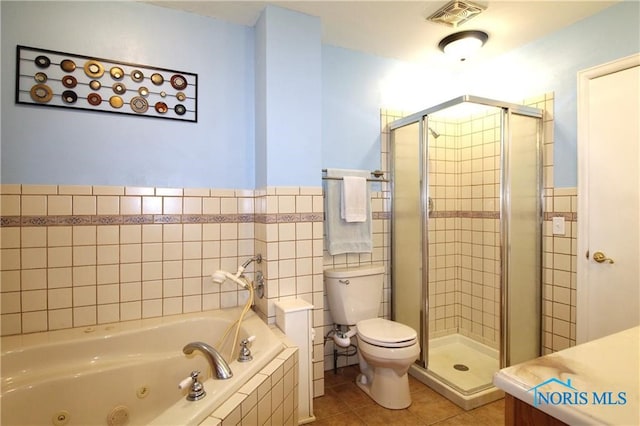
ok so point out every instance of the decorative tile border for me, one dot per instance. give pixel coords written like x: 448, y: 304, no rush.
x: 448, y: 214
x: 288, y: 217
x: 569, y: 216
x: 381, y: 215
x: 15, y: 221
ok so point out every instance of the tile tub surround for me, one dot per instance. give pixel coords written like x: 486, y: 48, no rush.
x: 82, y: 255
x: 270, y: 397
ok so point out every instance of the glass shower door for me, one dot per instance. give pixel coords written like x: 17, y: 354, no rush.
x: 407, y: 244
x: 523, y: 228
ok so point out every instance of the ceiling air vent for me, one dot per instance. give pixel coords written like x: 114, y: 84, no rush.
x: 456, y: 13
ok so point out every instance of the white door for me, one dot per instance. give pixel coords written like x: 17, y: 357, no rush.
x: 608, y: 281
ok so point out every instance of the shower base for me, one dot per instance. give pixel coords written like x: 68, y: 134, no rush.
x: 461, y: 370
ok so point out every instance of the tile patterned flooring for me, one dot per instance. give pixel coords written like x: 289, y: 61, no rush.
x: 345, y: 404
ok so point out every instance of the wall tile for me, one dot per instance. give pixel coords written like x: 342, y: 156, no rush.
x: 34, y: 205
x: 107, y: 205
x: 34, y: 321
x: 132, y: 190
x: 151, y: 205
x: 84, y: 205
x: 130, y: 311
x: 108, y: 190
x: 172, y: 205
x: 177, y: 192
x: 75, y: 189
x: 33, y: 258
x: 108, y: 313
x: 10, y: 189
x: 172, y: 233
x: 59, y: 205
x: 192, y: 205
x: 130, y: 234
x: 10, y: 302
x: 10, y: 280
x: 60, y: 319
x: 39, y: 189
x: 10, y: 205
x: 130, y: 205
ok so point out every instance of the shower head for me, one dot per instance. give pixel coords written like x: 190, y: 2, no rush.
x: 257, y: 258
x: 435, y: 134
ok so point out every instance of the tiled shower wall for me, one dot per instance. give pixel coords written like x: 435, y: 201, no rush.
x: 464, y: 232
x: 464, y: 262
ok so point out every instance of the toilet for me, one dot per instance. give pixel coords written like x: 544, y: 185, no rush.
x: 386, y: 349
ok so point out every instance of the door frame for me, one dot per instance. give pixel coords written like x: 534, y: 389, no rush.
x: 584, y: 77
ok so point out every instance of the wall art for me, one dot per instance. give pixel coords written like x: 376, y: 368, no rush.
x: 66, y: 80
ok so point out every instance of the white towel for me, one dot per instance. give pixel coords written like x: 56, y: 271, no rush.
x: 342, y: 236
x: 353, y: 203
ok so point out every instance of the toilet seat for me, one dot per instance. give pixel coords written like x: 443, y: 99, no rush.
x: 387, y: 334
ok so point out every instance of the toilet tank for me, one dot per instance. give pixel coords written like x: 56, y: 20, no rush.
x: 354, y: 294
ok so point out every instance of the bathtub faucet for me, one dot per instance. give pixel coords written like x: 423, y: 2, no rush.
x: 217, y: 363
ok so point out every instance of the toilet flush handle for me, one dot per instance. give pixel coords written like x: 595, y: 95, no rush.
x: 346, y: 282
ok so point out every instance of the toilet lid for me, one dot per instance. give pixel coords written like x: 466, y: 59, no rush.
x: 382, y: 332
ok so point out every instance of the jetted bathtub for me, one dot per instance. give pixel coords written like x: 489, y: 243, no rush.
x: 125, y: 373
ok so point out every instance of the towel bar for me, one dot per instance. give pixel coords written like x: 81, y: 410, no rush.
x: 376, y: 173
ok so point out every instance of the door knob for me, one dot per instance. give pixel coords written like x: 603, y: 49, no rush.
x: 601, y: 257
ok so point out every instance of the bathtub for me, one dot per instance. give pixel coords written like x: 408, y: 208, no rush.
x: 125, y: 373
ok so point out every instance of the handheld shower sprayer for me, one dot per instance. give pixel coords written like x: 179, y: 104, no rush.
x: 435, y: 134
x: 221, y: 276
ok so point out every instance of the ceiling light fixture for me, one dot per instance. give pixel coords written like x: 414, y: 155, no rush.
x: 463, y: 44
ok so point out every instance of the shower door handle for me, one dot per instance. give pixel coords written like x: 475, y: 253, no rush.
x: 430, y: 205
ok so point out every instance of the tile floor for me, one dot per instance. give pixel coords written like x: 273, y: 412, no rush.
x: 345, y: 404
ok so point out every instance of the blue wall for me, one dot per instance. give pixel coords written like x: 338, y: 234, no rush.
x: 50, y: 146
x: 288, y: 99
x: 351, y: 101
x: 357, y: 84
x: 552, y: 63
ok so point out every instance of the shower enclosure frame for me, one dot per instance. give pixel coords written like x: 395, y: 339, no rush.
x: 422, y: 119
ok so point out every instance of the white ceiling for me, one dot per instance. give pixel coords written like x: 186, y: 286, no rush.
x: 398, y: 29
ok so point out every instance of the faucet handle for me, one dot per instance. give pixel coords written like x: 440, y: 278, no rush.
x: 196, y: 391
x: 247, y: 340
x: 245, y: 353
x: 185, y: 383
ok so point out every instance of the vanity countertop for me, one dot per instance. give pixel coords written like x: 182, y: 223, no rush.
x: 597, y: 382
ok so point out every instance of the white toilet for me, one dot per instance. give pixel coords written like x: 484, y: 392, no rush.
x: 386, y: 349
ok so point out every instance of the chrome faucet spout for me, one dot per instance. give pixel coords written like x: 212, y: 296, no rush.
x: 217, y: 363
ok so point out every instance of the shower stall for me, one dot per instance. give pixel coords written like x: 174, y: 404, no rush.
x: 466, y: 245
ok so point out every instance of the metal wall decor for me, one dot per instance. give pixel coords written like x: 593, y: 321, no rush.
x: 66, y: 80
